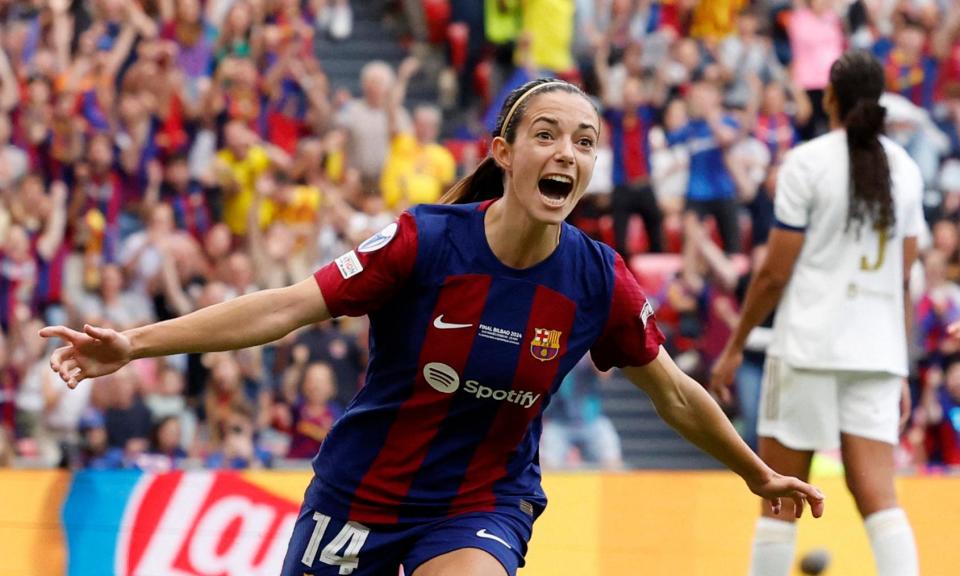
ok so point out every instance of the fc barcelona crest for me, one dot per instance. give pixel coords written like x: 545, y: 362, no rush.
x: 545, y: 344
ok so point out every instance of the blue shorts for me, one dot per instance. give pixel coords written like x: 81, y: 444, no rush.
x: 325, y: 546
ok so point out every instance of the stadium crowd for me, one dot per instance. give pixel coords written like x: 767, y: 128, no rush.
x: 157, y: 156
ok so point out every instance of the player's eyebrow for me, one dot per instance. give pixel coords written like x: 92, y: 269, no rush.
x: 554, y: 122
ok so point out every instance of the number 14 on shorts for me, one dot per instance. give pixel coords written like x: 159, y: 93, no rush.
x: 350, y: 540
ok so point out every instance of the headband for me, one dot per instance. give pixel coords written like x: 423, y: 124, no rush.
x: 506, y: 121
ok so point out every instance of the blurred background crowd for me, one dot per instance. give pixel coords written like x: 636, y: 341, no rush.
x: 157, y: 156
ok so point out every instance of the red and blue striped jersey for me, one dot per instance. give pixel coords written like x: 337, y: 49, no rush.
x: 464, y: 355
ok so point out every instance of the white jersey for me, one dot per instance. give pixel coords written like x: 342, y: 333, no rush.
x: 843, y: 306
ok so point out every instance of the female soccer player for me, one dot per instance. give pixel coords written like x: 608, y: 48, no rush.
x: 477, y: 309
x: 848, y: 211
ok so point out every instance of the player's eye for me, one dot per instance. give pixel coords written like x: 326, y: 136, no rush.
x: 544, y: 135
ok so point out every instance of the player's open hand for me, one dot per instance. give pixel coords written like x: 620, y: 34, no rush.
x: 88, y: 354
x: 777, y: 487
x: 721, y: 376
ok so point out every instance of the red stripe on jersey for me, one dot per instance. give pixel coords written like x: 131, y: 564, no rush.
x: 551, y: 311
x: 419, y: 418
x: 631, y: 336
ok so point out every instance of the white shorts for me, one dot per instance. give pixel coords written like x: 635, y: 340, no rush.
x: 808, y: 409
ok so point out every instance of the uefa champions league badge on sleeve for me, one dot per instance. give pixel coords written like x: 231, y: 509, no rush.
x: 378, y: 240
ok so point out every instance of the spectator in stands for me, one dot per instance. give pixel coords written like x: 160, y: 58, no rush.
x: 575, y: 429
x: 367, y: 123
x: 113, y: 304
x: 335, y: 345
x: 244, y: 159
x: 910, y: 71
x: 549, y: 25
x: 316, y: 412
x: 166, y: 447
x: 938, y: 307
x: 946, y: 239
x: 417, y: 170
x: 746, y: 55
x: 94, y: 451
x: 36, y: 389
x: 708, y: 134
x: 128, y: 421
x: 670, y: 165
x: 236, y: 449
x: 941, y: 404
x: 629, y: 124
x: 816, y: 41
x: 13, y: 160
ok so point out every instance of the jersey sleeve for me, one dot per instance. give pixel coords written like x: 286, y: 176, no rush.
x: 362, y: 280
x: 791, y: 206
x: 631, y: 336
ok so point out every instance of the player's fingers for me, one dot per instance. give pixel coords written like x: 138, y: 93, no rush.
x: 75, y: 377
x: 67, y: 369
x: 798, y: 502
x: 775, y: 505
x: 58, y: 356
x: 98, y: 333
x: 811, y: 494
x: 62, y: 332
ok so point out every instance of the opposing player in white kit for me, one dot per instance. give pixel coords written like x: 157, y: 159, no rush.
x: 848, y: 212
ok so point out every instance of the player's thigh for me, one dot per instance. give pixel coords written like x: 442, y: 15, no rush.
x: 476, y: 544
x: 324, y: 546
x: 462, y: 562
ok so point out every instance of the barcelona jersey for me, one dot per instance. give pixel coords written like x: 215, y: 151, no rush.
x: 464, y: 355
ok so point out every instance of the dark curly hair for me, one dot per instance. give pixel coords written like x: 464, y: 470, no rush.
x: 857, y: 80
x: 486, y: 180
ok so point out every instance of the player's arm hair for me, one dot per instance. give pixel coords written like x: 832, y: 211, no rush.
x: 687, y: 407
x: 250, y: 320
x: 769, y: 282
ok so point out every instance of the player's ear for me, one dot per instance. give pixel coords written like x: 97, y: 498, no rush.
x: 502, y: 152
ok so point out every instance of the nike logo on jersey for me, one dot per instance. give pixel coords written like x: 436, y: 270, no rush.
x: 439, y: 324
x: 482, y: 533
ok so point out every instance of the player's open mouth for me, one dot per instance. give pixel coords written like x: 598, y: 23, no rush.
x: 554, y: 188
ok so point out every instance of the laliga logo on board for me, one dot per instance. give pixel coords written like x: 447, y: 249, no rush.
x: 203, y: 524
x: 545, y: 344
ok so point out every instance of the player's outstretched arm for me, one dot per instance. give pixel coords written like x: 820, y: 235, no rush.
x: 246, y: 321
x: 691, y: 411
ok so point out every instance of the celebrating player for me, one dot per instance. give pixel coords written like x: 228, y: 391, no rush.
x: 477, y: 310
x: 848, y: 211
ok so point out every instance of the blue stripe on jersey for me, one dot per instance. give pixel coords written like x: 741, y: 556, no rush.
x: 784, y: 226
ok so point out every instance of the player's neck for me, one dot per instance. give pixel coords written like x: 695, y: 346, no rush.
x: 515, y: 239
